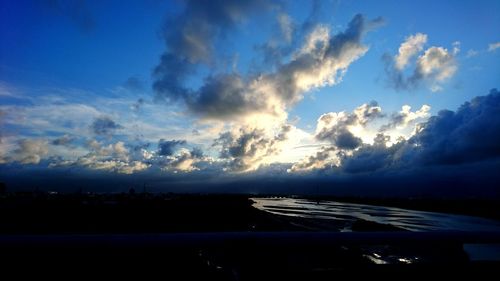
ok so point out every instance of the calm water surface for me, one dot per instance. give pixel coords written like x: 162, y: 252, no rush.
x: 350, y: 212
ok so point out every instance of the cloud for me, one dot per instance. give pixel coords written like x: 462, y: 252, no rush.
x: 3, y: 113
x: 115, y: 166
x: 247, y: 149
x: 114, y: 157
x: 184, y: 161
x: 190, y: 39
x: 406, y: 116
x: 280, y: 44
x: 344, y: 131
x: 453, y: 147
x: 374, y: 157
x: 56, y: 112
x: 470, y: 134
x: 321, y: 160
x: 335, y: 127
x: 435, y: 66
x: 409, y: 48
x: 63, y: 140
x: 117, y: 158
x: 493, y: 46
x: 30, y: 151
x: 286, y: 26
x: 320, y: 62
x: 450, y: 138
x: 167, y: 148
x: 115, y: 150
x: 104, y: 126
x: 50, y: 117
x: 256, y: 105
x: 136, y: 106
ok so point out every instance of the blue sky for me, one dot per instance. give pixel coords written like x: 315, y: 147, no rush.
x: 241, y: 93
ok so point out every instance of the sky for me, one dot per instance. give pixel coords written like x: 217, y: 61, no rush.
x: 361, y: 97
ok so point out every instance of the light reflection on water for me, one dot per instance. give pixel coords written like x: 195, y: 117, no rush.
x: 408, y: 219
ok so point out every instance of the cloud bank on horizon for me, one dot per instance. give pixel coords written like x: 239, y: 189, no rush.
x: 303, y: 98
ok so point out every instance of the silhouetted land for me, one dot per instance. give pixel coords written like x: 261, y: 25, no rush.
x: 133, y: 213
x: 60, y: 234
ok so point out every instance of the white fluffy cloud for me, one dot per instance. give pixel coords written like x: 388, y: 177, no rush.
x: 436, y: 64
x: 433, y: 67
x: 409, y: 48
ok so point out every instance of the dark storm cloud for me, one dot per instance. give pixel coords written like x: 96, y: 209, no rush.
x: 167, y: 147
x: 470, y: 134
x: 371, y: 158
x: 75, y: 10
x: 104, y: 125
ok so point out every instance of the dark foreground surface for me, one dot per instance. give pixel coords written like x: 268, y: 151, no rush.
x: 247, y: 256
x: 219, y: 238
